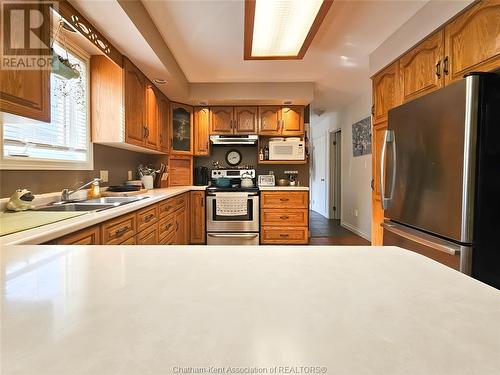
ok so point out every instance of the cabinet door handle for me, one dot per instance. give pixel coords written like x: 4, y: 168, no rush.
x: 202, y: 200
x: 167, y: 227
x: 176, y: 226
x: 438, y: 69
x: 373, y: 109
x: 446, y: 65
x: 284, y: 217
x: 144, y: 132
x: 121, y: 231
x: 207, y: 146
x: 149, y: 218
x: 372, y: 184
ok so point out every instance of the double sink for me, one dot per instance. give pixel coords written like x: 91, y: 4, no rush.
x: 91, y: 204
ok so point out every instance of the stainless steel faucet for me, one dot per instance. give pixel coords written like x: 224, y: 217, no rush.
x: 65, y: 194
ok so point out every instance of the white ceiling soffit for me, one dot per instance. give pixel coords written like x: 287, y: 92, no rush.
x: 206, y: 38
x: 112, y: 20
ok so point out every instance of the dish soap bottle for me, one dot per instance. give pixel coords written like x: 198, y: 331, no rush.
x: 261, y: 154
x: 94, y: 190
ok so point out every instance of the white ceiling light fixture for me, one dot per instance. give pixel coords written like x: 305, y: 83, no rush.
x: 281, y: 29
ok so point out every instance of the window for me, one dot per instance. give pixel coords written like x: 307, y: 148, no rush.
x: 64, y: 143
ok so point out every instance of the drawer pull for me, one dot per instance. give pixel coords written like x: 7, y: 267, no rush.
x: 149, y: 218
x: 167, y: 227
x: 284, y: 217
x: 167, y: 208
x: 284, y: 235
x: 284, y: 199
x: 120, y: 232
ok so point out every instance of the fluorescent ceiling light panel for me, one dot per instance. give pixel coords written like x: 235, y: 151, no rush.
x: 281, y: 26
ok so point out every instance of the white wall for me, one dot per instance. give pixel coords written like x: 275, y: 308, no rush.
x: 356, y: 172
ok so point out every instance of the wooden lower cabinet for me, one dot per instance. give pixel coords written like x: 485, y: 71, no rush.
x: 181, y: 232
x: 166, y: 223
x: 197, y: 217
x: 284, y: 218
x: 87, y: 236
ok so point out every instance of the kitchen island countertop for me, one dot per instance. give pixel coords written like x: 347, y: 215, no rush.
x: 163, y: 310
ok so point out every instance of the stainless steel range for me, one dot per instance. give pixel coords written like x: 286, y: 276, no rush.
x: 233, y: 210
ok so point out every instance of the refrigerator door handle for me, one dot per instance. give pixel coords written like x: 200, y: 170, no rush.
x: 389, y: 137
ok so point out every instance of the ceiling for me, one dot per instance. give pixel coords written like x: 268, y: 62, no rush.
x: 206, y: 38
x: 197, y: 45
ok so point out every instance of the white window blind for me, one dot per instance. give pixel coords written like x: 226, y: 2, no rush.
x: 65, y: 138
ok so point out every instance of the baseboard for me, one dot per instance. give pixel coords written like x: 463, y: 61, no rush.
x: 356, y: 230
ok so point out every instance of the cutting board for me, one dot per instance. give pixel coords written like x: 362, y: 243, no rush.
x: 12, y: 222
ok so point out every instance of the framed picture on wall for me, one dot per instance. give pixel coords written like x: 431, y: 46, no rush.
x: 182, y: 129
x: 362, y: 137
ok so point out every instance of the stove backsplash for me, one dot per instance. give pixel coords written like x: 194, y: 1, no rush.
x: 250, y: 156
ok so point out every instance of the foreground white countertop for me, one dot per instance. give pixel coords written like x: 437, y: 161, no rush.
x: 159, y: 310
x: 49, y: 232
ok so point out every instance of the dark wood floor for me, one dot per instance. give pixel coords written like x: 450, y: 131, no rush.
x: 330, y: 232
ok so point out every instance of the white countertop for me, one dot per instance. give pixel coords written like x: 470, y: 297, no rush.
x: 51, y: 231
x: 284, y: 188
x: 159, y: 310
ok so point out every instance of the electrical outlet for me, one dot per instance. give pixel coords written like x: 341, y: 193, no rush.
x: 104, y: 176
x: 129, y: 175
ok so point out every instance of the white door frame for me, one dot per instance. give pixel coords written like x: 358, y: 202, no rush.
x: 335, y: 173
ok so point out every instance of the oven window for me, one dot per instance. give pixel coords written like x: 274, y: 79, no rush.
x: 247, y: 217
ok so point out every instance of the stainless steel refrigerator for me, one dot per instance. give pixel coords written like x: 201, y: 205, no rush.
x: 440, y: 176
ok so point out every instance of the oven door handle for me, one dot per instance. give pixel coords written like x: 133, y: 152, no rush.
x: 243, y: 235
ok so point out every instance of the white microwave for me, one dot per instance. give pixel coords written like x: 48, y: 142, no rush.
x: 287, y: 150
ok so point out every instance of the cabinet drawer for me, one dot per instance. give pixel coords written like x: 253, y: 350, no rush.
x: 166, y: 226
x: 168, y: 240
x: 180, y: 201
x: 88, y: 236
x: 284, y: 199
x: 167, y: 207
x: 289, y: 218
x: 148, y: 236
x: 147, y: 217
x: 130, y: 241
x: 117, y: 230
x: 284, y: 235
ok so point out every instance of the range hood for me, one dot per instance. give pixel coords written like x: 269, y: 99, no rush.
x: 234, y: 139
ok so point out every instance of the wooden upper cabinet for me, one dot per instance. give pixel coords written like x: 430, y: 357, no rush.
x: 27, y: 92
x: 152, y: 117
x: 221, y: 120
x: 472, y: 40
x: 269, y: 120
x: 245, y: 120
x: 135, y: 104
x: 421, y: 69
x: 163, y: 123
x: 292, y: 120
x: 201, y: 131
x: 385, y: 92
